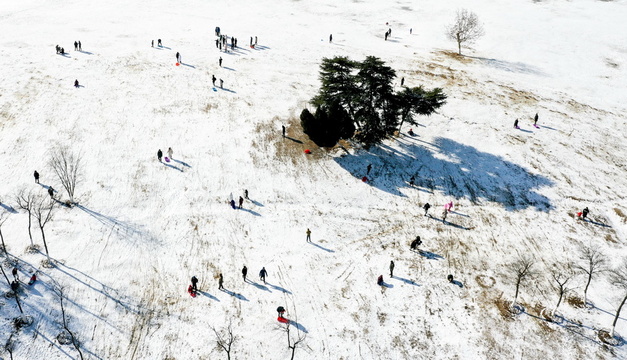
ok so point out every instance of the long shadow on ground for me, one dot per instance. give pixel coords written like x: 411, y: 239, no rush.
x: 455, y: 169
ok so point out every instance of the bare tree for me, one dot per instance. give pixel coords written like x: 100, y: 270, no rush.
x: 42, y: 210
x: 17, y: 299
x: 618, y: 277
x: 561, y: 274
x: 3, y: 218
x: 60, y: 293
x: 465, y: 29
x: 592, y: 262
x: 67, y: 165
x: 521, y: 269
x: 293, y: 341
x: 225, y: 339
x: 25, y: 200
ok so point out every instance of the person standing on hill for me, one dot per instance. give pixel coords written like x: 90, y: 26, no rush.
x: 262, y: 274
x: 194, y: 283
x: 170, y: 152
x: 368, y: 168
x: 331, y: 38
x: 392, y: 268
x: 535, y: 120
x: 36, y: 175
x: 213, y: 80
x: 159, y: 44
x: 444, y: 215
x: 51, y: 192
x: 427, y: 206
x: 221, y: 84
x: 241, y: 202
x: 220, y: 61
x: 414, y: 244
x: 244, y: 272
x: 283, y: 130
x: 516, y: 124
x: 159, y: 155
x: 220, y: 282
x: 584, y: 213
x: 246, y: 193
x: 76, y: 83
x: 308, y: 235
x: 75, y: 46
x: 177, y: 57
x: 80, y: 46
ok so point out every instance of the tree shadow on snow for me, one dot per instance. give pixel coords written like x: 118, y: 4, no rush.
x: 321, y: 247
x: 294, y: 140
x: 517, y: 67
x: 568, y: 326
x: 455, y: 169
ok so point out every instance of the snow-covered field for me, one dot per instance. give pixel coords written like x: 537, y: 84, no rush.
x: 124, y: 257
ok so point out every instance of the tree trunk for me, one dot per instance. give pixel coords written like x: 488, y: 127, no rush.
x: 30, y: 235
x: 43, y: 236
x: 585, y: 290
x: 617, y: 315
x: 459, y: 45
x: 516, y: 295
x: 558, y: 302
x: 4, y: 247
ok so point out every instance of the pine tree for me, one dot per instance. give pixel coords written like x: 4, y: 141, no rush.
x: 419, y: 101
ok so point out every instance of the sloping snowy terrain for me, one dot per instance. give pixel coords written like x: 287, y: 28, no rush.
x: 125, y: 255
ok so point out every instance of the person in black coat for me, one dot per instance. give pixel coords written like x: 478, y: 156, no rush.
x: 262, y: 274
x: 76, y: 83
x: 584, y: 212
x: 36, y: 175
x: 414, y: 244
x: 51, y: 192
x: 159, y: 155
x: 194, y: 283
x: 516, y: 123
x: 427, y: 206
x: 75, y: 46
x: 244, y: 272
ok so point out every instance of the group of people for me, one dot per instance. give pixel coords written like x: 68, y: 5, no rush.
x: 193, y: 287
x: 160, y: 154
x: 50, y: 188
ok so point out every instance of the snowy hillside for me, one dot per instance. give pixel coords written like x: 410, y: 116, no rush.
x: 123, y: 257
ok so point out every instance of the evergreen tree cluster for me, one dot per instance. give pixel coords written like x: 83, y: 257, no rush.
x: 357, y: 101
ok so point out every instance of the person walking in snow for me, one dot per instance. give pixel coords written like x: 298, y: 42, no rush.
x: 14, y: 272
x: 76, y: 83
x: 194, y: 283
x: 75, y: 46
x: 170, y: 152
x: 412, y: 179
x: 220, y: 282
x: 380, y: 280
x: 255, y: 41
x: 331, y: 38
x: 159, y: 155
x: 177, y: 57
x: 516, y: 124
x: 58, y: 48
x: 51, y: 192
x: 368, y: 168
x: 241, y: 202
x: 246, y: 194
x: 392, y: 268
x: 152, y: 43
x: 402, y: 81
x: 36, y: 175
x: 244, y: 272
x: 232, y: 202
x: 159, y: 43
x: 414, y: 244
x: 584, y: 213
x: 221, y: 84
x: 262, y: 274
x: 213, y: 80
x: 386, y: 36
x: 220, y: 61
x: 427, y: 206
x: 308, y: 235
x: 535, y: 120
x: 80, y: 46
x: 283, y: 130
x: 444, y: 215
